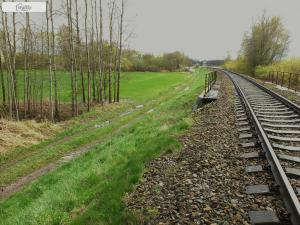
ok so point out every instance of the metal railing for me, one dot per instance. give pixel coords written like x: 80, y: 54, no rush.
x: 210, y: 80
x: 284, y: 79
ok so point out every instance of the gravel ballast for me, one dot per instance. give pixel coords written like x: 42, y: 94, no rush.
x: 205, y: 182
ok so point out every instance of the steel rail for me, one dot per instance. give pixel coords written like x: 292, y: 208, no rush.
x: 282, y: 99
x: 287, y: 192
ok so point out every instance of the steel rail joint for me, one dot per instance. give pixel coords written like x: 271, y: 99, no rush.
x: 289, y: 197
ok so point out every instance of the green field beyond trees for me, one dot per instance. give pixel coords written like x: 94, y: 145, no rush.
x: 132, y: 84
x: 89, y: 189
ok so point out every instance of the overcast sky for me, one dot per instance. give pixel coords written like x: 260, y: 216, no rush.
x: 204, y: 29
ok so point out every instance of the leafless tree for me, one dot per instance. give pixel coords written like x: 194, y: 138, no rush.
x: 2, y: 83
x: 72, y: 58
x: 93, y: 70
x: 87, y: 55
x: 99, y: 48
x: 78, y: 52
x: 26, y: 74
x: 49, y: 65
x: 10, y: 56
x: 111, y: 26
x: 56, y: 111
x: 120, y: 49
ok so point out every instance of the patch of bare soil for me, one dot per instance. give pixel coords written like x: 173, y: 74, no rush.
x: 205, y: 182
x: 6, y: 191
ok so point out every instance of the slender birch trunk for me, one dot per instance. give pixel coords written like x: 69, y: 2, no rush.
x: 69, y: 14
x: 2, y: 83
x: 78, y: 53
x: 49, y: 66
x: 111, y: 20
x: 56, y: 110
x: 120, y: 51
x: 87, y: 54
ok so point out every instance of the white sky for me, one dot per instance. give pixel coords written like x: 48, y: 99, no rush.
x: 204, y: 29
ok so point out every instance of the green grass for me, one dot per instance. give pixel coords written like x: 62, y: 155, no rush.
x: 134, y: 85
x: 89, y: 189
x: 81, y: 133
x: 39, y: 79
x: 144, y: 86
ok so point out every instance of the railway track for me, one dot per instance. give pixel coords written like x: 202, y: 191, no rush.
x: 269, y: 120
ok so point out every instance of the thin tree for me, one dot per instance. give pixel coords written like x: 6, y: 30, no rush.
x: 26, y: 75
x: 87, y: 55
x: 71, y: 47
x: 2, y: 83
x: 111, y: 25
x: 51, y: 106
x: 56, y: 111
x: 99, y: 48
x: 14, y: 52
x: 9, y: 49
x: 78, y: 52
x: 93, y: 53
x: 101, y: 54
x: 120, y: 49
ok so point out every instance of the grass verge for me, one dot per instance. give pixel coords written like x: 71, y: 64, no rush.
x: 89, y: 189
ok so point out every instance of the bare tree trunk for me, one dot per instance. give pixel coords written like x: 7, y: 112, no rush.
x: 120, y: 51
x: 25, y: 49
x: 115, y: 68
x: 42, y: 42
x: 101, y: 53
x: 111, y: 20
x: 50, y: 67
x: 78, y: 53
x: 69, y: 12
x: 99, y: 47
x: 2, y: 83
x: 87, y: 54
x: 93, y: 54
x: 74, y: 61
x: 56, y: 111
x: 9, y: 49
x: 16, y: 105
x: 42, y: 97
x: 29, y: 85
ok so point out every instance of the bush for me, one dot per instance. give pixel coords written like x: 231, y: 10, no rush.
x: 291, y: 65
x: 239, y: 65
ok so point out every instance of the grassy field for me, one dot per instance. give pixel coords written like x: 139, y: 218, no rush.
x: 135, y: 85
x: 81, y: 131
x: 90, y: 188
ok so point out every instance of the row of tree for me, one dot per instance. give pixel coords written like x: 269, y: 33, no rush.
x: 136, y: 61
x: 93, y: 63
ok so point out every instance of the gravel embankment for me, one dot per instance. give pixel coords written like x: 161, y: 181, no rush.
x: 205, y: 182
